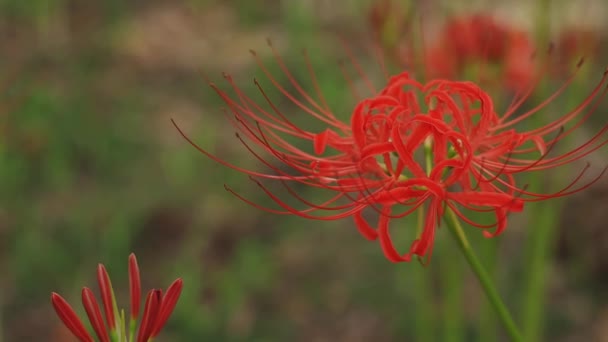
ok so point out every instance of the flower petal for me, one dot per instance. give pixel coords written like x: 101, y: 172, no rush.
x: 92, y: 308
x: 166, y: 306
x: 69, y: 318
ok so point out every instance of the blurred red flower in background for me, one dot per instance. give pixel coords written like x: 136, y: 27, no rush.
x: 480, y: 41
x: 157, y: 309
x: 389, y: 22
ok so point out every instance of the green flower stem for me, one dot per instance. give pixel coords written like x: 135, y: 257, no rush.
x: 538, y: 252
x: 484, y: 278
x: 487, y: 325
x: 453, y: 315
x: 423, y: 319
x: 424, y: 329
x: 132, y: 327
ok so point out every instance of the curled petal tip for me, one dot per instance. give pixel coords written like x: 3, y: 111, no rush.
x: 177, y: 286
x: 320, y: 142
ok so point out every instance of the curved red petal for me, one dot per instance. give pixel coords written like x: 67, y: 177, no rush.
x: 167, y: 305
x: 107, y: 296
x: 69, y: 318
x: 92, y: 308
x: 149, y: 316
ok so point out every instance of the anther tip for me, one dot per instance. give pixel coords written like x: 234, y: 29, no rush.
x: 580, y: 62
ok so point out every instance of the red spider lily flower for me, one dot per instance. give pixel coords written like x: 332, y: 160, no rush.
x: 409, y: 146
x: 157, y: 310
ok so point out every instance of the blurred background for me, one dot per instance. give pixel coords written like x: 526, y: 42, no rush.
x: 91, y: 169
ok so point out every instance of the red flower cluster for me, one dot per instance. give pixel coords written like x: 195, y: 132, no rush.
x: 157, y: 309
x: 429, y: 146
x: 481, y: 40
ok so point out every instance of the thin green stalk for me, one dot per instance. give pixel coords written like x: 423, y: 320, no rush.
x: 487, y: 321
x: 539, y: 247
x: 452, y: 270
x: 423, y: 319
x: 132, y: 327
x: 482, y: 275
